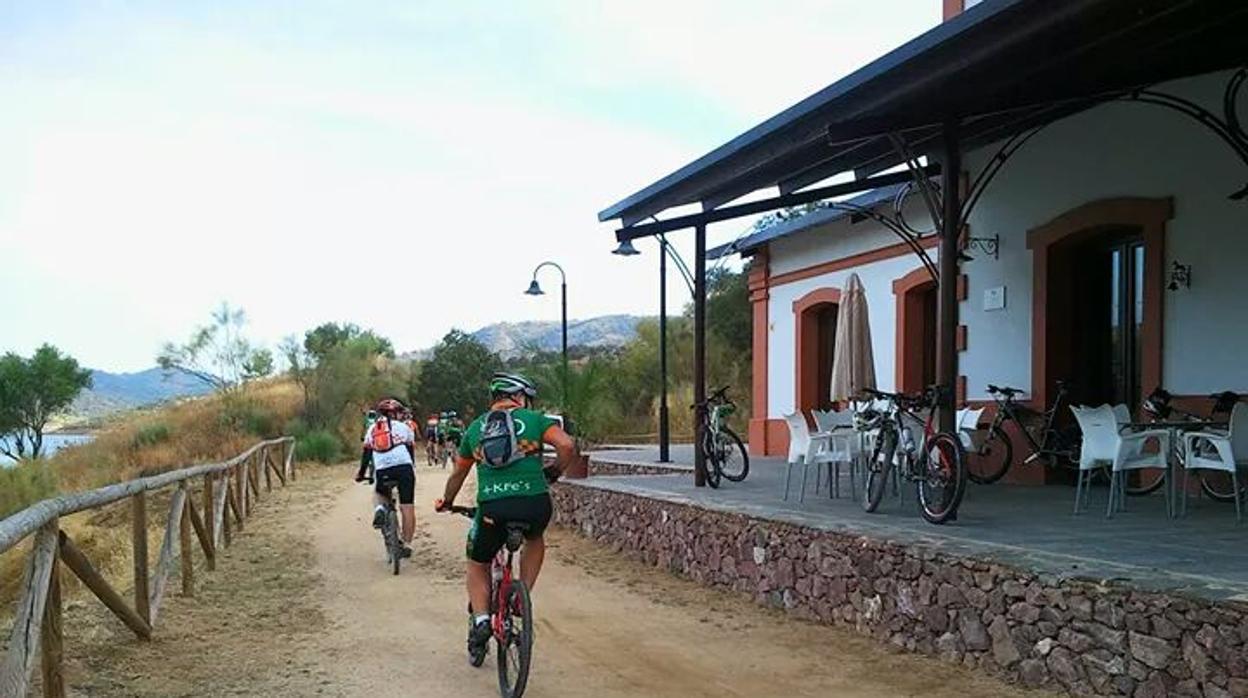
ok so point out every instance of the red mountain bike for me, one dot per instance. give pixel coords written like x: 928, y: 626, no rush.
x: 511, y: 612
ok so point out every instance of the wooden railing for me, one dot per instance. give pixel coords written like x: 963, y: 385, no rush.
x: 37, y: 623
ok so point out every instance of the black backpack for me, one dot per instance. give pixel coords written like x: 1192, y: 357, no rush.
x: 499, y: 448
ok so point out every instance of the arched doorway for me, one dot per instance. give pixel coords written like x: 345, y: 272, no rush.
x: 815, y: 319
x: 916, y: 331
x: 1097, y: 301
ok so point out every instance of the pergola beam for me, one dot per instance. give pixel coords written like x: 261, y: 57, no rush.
x: 796, y: 199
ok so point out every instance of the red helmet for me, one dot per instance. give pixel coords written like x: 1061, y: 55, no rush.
x: 390, y: 407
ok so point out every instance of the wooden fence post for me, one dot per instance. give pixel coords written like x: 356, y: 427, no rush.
x: 184, y: 542
x: 210, y: 517
x: 24, y: 639
x: 139, y: 533
x: 201, y: 532
x: 164, y: 563
x: 81, y: 567
x: 264, y: 465
x: 52, y: 642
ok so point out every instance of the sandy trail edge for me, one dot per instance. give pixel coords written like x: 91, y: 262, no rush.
x: 606, y: 626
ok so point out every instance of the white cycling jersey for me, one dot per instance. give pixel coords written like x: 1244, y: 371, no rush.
x: 400, y: 437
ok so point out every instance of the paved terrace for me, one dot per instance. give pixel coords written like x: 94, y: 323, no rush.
x: 1204, y: 554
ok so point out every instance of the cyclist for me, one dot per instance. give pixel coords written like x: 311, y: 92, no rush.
x: 431, y: 438
x: 392, y: 444
x: 516, y: 492
x: 366, y: 453
x: 454, y: 431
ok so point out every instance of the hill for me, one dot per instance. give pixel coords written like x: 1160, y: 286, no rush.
x: 511, y: 339
x: 114, y: 392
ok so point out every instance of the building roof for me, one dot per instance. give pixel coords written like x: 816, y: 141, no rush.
x: 814, y: 219
x: 998, y: 68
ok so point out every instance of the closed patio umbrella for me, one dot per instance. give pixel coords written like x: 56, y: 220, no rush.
x: 853, y: 366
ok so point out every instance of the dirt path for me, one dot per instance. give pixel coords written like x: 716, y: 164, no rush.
x: 338, y: 623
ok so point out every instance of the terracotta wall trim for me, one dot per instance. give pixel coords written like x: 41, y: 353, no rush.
x: 806, y: 324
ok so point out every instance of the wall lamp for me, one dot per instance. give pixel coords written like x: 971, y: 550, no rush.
x: 988, y: 246
x: 1180, y: 276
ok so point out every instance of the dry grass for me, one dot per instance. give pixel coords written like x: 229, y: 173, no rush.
x: 143, y: 443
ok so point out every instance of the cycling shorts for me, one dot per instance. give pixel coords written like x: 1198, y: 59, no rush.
x: 488, y: 533
x: 402, y: 477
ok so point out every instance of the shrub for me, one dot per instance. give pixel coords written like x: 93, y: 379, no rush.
x: 24, y: 484
x: 319, y: 445
x: 151, y: 434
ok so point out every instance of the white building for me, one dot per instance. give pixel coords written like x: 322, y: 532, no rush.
x: 1075, y: 242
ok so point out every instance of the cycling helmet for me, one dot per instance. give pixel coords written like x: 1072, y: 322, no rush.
x: 390, y: 407
x: 512, y: 383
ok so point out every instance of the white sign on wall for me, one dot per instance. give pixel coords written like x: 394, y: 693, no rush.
x: 994, y: 298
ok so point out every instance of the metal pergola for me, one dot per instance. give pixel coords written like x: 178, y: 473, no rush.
x: 995, y: 74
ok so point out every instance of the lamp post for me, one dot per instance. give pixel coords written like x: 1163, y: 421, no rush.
x: 626, y: 249
x: 535, y: 290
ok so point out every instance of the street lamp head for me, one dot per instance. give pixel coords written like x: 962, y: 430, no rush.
x: 626, y: 249
x: 534, y: 289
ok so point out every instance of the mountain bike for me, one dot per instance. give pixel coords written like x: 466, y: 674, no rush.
x: 390, y: 528
x: 935, y: 464
x: 511, y: 612
x: 721, y: 447
x: 1053, y: 445
x: 431, y: 451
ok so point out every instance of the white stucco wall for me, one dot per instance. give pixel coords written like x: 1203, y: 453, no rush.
x: 877, y: 281
x: 1114, y: 150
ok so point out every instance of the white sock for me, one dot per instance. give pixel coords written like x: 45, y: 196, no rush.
x: 481, y: 618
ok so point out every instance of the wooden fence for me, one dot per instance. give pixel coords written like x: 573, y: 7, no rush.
x: 230, y: 493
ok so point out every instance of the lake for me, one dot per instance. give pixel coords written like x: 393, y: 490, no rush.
x: 51, y: 444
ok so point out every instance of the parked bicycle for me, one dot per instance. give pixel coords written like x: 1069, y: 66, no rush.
x: 722, y: 449
x: 935, y: 463
x: 1049, y: 443
x: 511, y: 613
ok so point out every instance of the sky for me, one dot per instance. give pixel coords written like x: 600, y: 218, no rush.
x: 400, y: 165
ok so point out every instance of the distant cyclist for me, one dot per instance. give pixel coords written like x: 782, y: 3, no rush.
x: 509, y: 488
x: 431, y: 438
x: 392, y: 444
x: 366, y: 453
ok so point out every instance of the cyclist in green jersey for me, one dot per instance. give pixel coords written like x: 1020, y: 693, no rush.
x: 515, y: 492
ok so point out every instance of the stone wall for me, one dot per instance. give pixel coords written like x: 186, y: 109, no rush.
x: 1078, y: 636
x: 606, y: 467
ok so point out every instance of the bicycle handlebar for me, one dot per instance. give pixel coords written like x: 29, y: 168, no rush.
x: 470, y: 512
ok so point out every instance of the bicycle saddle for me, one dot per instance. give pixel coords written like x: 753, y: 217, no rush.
x: 1003, y: 390
x: 516, y: 531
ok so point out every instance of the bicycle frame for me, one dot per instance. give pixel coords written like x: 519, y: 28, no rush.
x: 500, y: 580
x: 1008, y: 410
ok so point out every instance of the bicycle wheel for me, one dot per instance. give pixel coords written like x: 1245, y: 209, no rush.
x: 515, y: 648
x: 734, y: 462
x: 879, y: 468
x: 393, y: 545
x: 942, y: 481
x: 1218, y: 486
x: 990, y: 462
x: 711, y: 458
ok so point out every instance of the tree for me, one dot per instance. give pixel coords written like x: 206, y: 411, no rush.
x: 457, y: 375
x: 339, y: 367
x: 217, y: 354
x: 32, y: 391
x: 322, y: 340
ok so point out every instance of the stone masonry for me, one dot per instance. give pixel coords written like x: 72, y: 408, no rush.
x: 1078, y: 636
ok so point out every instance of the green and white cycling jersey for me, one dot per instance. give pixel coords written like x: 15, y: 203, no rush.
x: 523, y: 478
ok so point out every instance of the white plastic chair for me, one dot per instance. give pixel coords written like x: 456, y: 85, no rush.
x: 1103, y: 443
x: 843, y: 447
x: 968, y: 427
x: 805, y: 449
x: 1228, y: 454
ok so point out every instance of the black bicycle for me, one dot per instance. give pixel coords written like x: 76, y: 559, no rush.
x: 935, y: 463
x: 395, y: 550
x: 1049, y: 443
x: 722, y: 449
